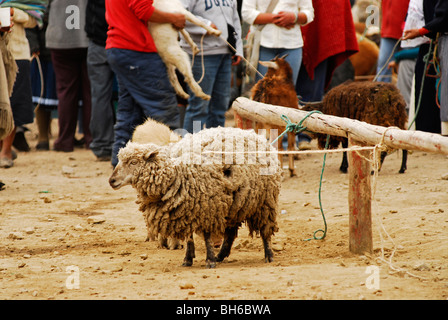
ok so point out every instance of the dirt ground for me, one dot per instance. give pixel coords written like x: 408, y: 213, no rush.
x: 65, y: 234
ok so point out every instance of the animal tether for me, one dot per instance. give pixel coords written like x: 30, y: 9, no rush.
x: 297, y: 128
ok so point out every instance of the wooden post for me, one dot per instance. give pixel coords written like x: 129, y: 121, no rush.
x: 241, y: 122
x: 359, y: 198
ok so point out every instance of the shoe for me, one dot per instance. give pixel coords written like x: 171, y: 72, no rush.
x: 304, y: 145
x: 44, y: 145
x: 20, y: 142
x: 79, y: 143
x: 6, y: 163
x: 103, y: 158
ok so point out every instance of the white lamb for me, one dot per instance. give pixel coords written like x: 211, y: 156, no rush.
x: 182, y: 189
x: 167, y: 44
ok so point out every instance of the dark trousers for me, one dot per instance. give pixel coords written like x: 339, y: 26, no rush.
x: 72, y: 85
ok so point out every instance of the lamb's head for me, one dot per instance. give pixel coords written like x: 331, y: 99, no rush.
x: 131, y: 160
x: 278, y: 67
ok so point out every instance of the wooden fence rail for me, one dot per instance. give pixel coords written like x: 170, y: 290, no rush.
x: 359, y: 133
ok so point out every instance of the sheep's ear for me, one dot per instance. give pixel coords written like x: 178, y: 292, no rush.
x: 150, y: 154
x: 269, y: 64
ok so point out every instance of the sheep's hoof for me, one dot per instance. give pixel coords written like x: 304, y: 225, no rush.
x: 402, y: 170
x: 269, y: 259
x: 343, y: 170
x: 210, y: 264
x: 292, y: 173
x: 187, y: 263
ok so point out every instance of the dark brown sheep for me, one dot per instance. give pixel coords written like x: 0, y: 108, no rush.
x: 377, y: 103
x: 277, y: 88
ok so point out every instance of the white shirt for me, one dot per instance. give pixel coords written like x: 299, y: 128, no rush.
x: 273, y: 36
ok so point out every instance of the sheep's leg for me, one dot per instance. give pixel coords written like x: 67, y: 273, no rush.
x: 268, y: 254
x: 229, y: 237
x: 184, y: 67
x: 190, y: 41
x: 404, y: 161
x: 189, y: 252
x: 344, y: 164
x: 175, y: 81
x: 192, y: 18
x: 211, y: 259
x: 291, y: 144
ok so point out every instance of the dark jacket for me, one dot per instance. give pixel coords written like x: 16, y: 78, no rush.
x: 96, y: 25
x: 436, y: 16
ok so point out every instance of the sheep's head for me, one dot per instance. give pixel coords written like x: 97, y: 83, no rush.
x: 131, y: 159
x: 278, y: 67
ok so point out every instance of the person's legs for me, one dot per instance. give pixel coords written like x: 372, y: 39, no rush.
x: 145, y: 91
x: 221, y: 92
x: 103, y: 114
x: 386, y: 50
x: 443, y: 56
x: 196, y: 115
x: 67, y: 71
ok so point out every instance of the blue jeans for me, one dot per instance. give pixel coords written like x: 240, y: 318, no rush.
x: 103, y: 114
x: 216, y: 83
x: 294, y: 59
x: 386, y: 47
x: 144, y: 91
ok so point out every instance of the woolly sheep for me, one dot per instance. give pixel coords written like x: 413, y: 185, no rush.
x: 183, y: 189
x: 152, y: 131
x: 377, y: 103
x: 167, y: 44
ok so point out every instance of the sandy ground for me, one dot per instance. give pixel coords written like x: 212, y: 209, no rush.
x: 65, y: 234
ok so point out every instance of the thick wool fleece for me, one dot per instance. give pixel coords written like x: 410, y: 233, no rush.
x: 183, y: 190
x: 376, y: 103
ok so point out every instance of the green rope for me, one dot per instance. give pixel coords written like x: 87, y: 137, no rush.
x: 297, y: 128
x: 324, y: 232
x: 292, y: 127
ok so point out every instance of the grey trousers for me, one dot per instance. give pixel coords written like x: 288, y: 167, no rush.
x: 103, y: 114
x: 443, y: 57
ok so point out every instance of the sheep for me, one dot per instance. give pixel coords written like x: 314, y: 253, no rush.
x: 165, y: 38
x: 277, y: 88
x: 183, y: 189
x: 377, y: 103
x: 152, y: 131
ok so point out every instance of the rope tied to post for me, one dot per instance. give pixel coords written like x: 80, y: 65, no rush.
x: 298, y: 128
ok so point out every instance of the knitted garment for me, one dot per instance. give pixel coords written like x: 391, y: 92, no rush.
x: 35, y: 8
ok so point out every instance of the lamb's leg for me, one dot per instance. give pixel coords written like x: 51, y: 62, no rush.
x: 211, y: 259
x: 171, y: 69
x: 184, y: 67
x: 190, y: 41
x: 192, y: 18
x: 404, y: 161
x: 229, y: 237
x: 344, y: 164
x: 291, y: 144
x: 189, y: 252
x: 268, y: 254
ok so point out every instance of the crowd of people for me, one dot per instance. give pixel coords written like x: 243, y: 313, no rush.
x: 76, y: 58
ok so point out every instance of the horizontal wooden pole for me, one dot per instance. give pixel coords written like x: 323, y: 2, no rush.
x: 360, y: 131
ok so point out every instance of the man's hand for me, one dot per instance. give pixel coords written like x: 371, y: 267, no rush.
x: 236, y: 60
x: 411, y: 34
x: 178, y: 21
